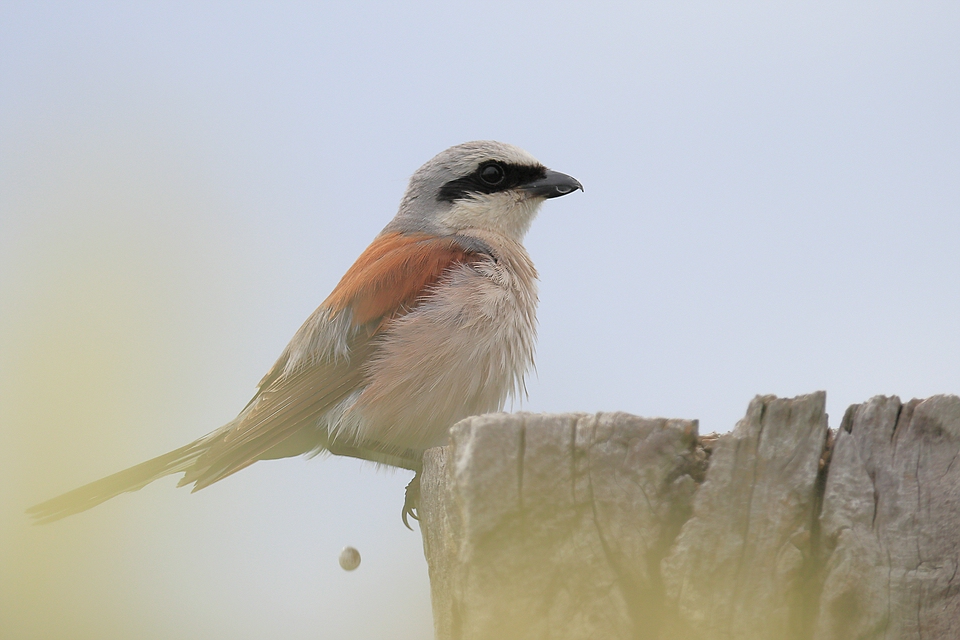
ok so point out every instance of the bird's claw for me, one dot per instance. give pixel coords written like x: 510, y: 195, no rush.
x: 411, y: 501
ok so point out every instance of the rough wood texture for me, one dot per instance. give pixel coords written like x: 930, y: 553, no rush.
x: 737, y: 568
x: 529, y: 533
x: 605, y: 526
x: 891, y: 522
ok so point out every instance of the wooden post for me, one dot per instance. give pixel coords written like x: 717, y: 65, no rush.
x: 614, y: 526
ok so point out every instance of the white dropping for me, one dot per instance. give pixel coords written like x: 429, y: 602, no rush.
x: 349, y: 559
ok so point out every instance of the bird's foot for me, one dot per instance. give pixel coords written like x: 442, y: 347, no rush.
x: 411, y: 501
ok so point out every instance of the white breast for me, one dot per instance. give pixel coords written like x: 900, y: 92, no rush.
x: 462, y: 352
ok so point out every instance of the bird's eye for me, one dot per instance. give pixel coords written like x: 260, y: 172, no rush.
x: 492, y: 174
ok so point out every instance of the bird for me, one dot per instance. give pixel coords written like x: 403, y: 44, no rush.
x: 433, y: 323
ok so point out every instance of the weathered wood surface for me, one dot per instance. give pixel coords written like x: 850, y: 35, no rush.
x: 737, y: 568
x: 614, y: 526
x: 890, y: 525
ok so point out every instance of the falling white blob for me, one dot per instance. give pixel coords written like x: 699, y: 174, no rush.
x: 349, y: 559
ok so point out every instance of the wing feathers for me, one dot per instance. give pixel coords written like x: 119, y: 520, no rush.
x: 394, y: 273
x: 297, y: 402
x: 388, y: 279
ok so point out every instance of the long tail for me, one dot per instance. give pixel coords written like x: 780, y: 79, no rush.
x: 132, y: 479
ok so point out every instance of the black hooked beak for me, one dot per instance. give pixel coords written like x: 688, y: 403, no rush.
x: 553, y: 185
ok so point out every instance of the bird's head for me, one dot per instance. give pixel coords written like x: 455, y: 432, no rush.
x: 479, y: 185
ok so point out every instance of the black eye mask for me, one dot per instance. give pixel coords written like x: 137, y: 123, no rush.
x: 491, y: 177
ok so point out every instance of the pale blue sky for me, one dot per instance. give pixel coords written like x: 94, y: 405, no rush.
x: 772, y: 205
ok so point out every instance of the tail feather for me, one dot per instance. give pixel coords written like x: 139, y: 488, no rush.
x: 132, y: 479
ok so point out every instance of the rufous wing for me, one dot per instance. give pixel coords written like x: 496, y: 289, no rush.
x: 394, y: 274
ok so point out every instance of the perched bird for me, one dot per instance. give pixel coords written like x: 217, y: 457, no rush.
x: 434, y: 322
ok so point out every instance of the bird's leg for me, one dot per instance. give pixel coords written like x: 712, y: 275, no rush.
x: 407, y: 459
x: 411, y: 501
